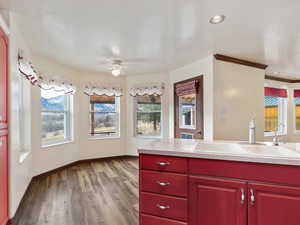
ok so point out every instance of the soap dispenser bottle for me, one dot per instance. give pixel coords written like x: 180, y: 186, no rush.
x: 252, y: 132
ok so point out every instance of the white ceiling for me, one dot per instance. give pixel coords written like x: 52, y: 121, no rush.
x: 159, y: 35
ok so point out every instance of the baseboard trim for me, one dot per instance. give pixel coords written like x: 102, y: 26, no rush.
x: 12, y: 221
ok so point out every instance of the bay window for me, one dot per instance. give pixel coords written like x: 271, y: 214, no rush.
x: 104, y: 116
x: 56, y: 117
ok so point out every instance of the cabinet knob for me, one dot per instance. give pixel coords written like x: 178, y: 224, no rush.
x: 163, y: 163
x: 163, y: 183
x: 162, y: 207
x: 252, y: 198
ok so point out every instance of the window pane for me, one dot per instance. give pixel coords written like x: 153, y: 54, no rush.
x: 104, y: 115
x: 271, y: 113
x: 104, y: 107
x: 187, y: 111
x: 103, y: 123
x: 148, y: 123
x: 297, y: 112
x: 52, y: 100
x: 53, y: 127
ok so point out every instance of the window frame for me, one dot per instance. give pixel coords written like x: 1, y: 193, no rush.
x: 282, y: 118
x: 68, y: 122
x: 118, y: 114
x: 24, y: 119
x: 136, y: 122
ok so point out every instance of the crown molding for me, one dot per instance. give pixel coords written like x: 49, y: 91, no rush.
x: 240, y: 61
x: 281, y: 79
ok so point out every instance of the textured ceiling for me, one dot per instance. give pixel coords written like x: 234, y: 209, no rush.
x: 156, y: 36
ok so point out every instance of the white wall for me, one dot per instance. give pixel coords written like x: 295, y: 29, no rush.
x: 201, y: 67
x: 133, y: 143
x: 48, y: 158
x: 20, y: 172
x: 238, y: 97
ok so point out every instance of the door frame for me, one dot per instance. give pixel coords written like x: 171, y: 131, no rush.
x: 4, y: 127
x: 200, y: 99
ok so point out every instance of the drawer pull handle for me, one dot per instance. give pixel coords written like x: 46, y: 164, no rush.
x: 162, y: 207
x: 163, y: 184
x: 242, y: 196
x: 163, y: 163
x: 252, y: 198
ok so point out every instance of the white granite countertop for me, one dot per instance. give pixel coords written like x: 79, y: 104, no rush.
x: 262, y: 152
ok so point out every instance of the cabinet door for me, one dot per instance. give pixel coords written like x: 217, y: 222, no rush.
x: 273, y: 204
x: 3, y: 80
x: 3, y: 178
x: 215, y: 201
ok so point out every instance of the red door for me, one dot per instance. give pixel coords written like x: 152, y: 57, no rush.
x: 215, y: 201
x: 273, y: 204
x: 3, y: 130
x: 3, y: 178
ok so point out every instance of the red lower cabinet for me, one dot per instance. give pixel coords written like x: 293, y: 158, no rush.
x: 164, y: 206
x: 153, y: 220
x: 3, y: 178
x: 184, y: 191
x: 271, y: 204
x: 214, y: 201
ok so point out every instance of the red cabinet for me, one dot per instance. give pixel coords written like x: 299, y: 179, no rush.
x: 273, y: 204
x: 216, y: 192
x: 214, y: 201
x: 3, y: 177
x: 164, y: 183
x: 3, y: 130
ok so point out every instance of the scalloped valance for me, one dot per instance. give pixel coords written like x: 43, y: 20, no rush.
x: 27, y: 69
x: 147, y: 89
x: 108, y: 90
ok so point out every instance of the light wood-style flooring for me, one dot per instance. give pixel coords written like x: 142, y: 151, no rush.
x: 98, y: 192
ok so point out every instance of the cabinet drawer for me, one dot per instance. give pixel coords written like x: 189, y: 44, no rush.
x: 164, y: 206
x: 163, y: 163
x: 164, y: 183
x: 153, y: 220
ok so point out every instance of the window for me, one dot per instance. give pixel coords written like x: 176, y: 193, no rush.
x: 275, y: 115
x: 187, y: 111
x: 297, y: 109
x: 148, y: 116
x: 104, y: 116
x: 297, y: 113
x: 56, y: 117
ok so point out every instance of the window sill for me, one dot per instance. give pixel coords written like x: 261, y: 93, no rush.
x: 272, y: 134
x: 23, y: 156
x: 103, y: 138
x: 57, y: 144
x: 148, y: 137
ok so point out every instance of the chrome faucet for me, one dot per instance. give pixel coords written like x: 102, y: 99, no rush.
x: 276, y: 139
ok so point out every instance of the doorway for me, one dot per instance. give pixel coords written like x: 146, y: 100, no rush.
x: 188, y: 111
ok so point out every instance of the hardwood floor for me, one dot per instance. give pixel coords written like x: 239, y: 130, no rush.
x: 102, y: 192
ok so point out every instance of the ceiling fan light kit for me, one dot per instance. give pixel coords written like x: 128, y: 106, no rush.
x: 116, y: 68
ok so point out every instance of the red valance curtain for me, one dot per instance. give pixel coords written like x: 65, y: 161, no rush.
x: 296, y: 93
x: 276, y: 92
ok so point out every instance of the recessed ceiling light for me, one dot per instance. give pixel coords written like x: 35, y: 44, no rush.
x: 217, y: 19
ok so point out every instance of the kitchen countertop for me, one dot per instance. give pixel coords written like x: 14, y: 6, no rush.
x: 262, y: 152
